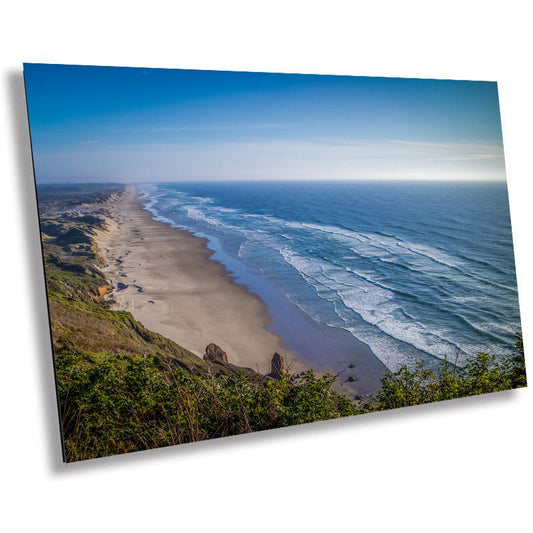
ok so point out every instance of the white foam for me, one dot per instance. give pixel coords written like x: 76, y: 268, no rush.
x: 383, y: 247
x: 431, y: 253
x: 374, y: 304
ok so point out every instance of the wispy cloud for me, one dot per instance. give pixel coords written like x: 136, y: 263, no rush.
x: 453, y: 151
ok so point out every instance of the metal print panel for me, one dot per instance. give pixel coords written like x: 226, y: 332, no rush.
x: 227, y: 252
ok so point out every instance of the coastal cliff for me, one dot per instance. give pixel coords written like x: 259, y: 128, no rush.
x: 122, y: 387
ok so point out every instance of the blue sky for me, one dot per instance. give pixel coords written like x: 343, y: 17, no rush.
x: 135, y: 124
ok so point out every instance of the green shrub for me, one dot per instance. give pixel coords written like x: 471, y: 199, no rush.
x: 480, y: 375
x: 114, y: 404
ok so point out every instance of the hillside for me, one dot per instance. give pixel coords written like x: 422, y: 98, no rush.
x: 122, y: 387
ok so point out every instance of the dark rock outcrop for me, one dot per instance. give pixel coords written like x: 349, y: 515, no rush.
x: 215, y: 353
x: 277, y: 366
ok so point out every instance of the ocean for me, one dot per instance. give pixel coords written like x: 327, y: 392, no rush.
x: 415, y: 270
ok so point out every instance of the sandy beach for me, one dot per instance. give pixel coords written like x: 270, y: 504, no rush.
x: 165, y: 277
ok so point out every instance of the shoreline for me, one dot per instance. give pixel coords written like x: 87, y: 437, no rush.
x: 167, y: 278
x: 164, y: 276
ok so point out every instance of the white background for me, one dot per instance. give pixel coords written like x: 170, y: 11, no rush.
x: 461, y: 466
